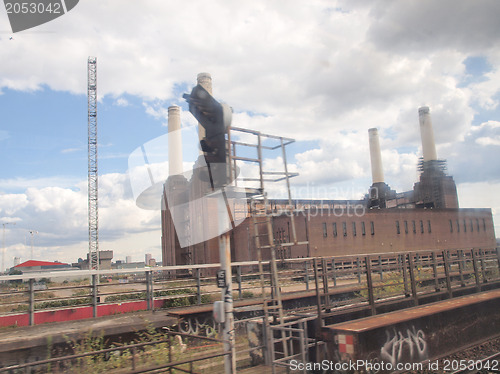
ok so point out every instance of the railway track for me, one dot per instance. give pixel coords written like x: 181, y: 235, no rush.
x: 483, y: 358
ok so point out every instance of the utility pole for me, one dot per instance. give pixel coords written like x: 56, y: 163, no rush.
x: 3, y: 244
x: 32, y: 232
x: 227, y: 296
x: 92, y: 164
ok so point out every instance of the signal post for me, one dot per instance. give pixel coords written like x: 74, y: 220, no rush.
x: 215, y: 118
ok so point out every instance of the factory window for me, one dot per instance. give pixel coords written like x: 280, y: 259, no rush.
x: 484, y: 224
x: 397, y: 228
x: 421, y: 226
x: 354, y: 229
x: 477, y: 223
x: 372, y: 227
x: 335, y: 229
x: 414, y: 227
x: 406, y: 227
x: 344, y: 228
x: 451, y: 225
x: 471, y: 226
x: 429, y: 226
x: 325, y: 231
x: 465, y: 226
x: 458, y: 226
x: 363, y: 231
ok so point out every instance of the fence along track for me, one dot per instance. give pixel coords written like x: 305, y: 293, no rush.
x: 133, y: 353
x: 408, y: 275
x: 376, y: 278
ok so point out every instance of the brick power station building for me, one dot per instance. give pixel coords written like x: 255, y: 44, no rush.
x: 426, y: 218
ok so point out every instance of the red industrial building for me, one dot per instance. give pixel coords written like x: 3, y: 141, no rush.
x: 40, y: 266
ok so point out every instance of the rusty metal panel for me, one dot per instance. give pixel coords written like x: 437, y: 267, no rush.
x: 417, y: 334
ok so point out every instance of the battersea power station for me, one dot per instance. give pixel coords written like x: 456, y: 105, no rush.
x: 428, y: 217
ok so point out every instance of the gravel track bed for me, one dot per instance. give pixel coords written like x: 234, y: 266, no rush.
x: 476, y: 353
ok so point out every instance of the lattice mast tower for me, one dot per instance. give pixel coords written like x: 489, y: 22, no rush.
x: 92, y: 164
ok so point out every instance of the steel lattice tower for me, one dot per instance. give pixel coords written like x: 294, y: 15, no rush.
x: 92, y: 163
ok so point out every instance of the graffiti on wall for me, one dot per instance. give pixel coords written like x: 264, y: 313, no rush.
x: 404, y: 345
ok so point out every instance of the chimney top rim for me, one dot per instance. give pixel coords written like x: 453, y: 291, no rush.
x: 423, y: 110
x: 204, y: 75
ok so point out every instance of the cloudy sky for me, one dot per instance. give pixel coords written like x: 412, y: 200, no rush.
x: 322, y: 72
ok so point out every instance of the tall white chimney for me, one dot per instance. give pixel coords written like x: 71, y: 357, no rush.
x: 375, y: 156
x: 174, y: 141
x: 204, y: 80
x: 427, y: 134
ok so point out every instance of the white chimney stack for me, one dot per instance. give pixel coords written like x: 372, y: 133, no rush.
x: 427, y: 134
x: 174, y: 141
x: 375, y: 156
x: 204, y: 80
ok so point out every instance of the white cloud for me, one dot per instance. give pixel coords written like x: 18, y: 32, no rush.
x: 423, y: 26
x: 21, y: 183
x: 485, y: 93
x: 400, y: 169
x: 10, y: 204
x: 313, y: 164
x: 475, y: 159
x: 489, y: 141
x: 490, y: 131
x: 122, y: 102
x: 320, y: 71
x: 487, y: 125
x: 321, y: 65
x: 60, y: 217
x: 157, y: 111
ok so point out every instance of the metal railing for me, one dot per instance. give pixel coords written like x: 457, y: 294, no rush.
x: 339, y: 284
x: 373, y: 279
x: 414, y: 275
x: 130, y: 358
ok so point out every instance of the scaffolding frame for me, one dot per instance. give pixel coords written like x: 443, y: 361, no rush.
x: 260, y: 209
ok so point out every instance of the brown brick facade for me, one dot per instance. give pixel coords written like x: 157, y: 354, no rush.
x: 337, y: 233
